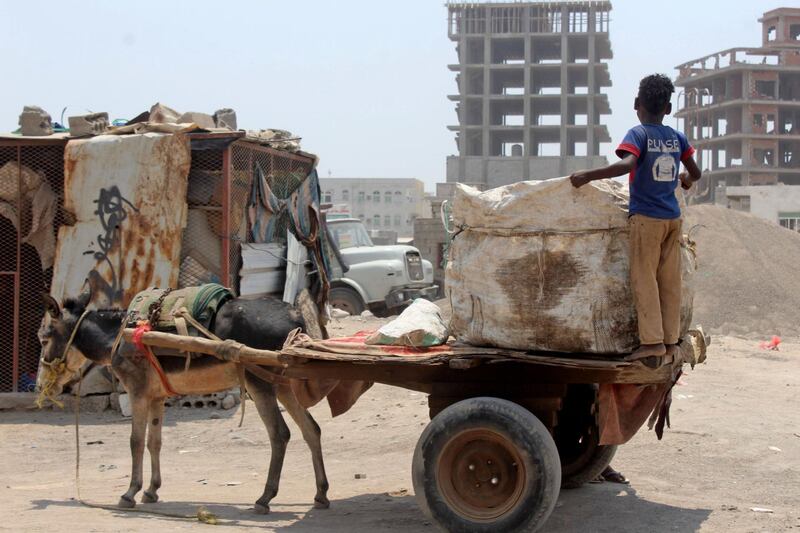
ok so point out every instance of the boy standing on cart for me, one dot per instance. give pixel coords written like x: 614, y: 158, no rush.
x: 651, y: 154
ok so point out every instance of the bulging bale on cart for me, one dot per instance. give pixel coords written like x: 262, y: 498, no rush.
x: 539, y: 265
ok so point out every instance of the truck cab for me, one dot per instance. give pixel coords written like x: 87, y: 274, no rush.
x: 382, y: 279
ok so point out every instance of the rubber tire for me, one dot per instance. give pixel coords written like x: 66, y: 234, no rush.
x: 600, y: 459
x: 576, y: 420
x: 349, y: 296
x: 524, y: 430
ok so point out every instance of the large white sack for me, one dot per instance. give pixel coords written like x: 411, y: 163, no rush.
x: 540, y: 265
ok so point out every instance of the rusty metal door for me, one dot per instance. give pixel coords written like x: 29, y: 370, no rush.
x: 31, y: 188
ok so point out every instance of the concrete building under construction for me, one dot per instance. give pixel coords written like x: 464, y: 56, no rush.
x: 530, y: 77
x: 741, y: 111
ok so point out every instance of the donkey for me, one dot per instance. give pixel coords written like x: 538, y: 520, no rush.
x: 262, y: 323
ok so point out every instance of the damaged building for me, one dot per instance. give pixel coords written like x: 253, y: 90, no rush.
x: 741, y: 110
x: 530, y: 97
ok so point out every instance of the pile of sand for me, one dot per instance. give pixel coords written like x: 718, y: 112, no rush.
x: 747, y: 280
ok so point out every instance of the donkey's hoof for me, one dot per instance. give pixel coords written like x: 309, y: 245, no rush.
x: 321, y: 503
x: 149, y: 497
x: 260, y: 508
x: 126, y: 502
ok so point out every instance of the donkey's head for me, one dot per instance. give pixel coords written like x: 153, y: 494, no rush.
x: 60, y: 361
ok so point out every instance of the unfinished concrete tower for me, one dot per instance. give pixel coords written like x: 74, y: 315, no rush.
x: 529, y: 100
x: 741, y: 111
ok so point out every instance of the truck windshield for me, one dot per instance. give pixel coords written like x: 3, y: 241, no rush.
x: 349, y: 234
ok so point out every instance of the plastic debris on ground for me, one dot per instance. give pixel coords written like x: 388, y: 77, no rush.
x: 772, y: 344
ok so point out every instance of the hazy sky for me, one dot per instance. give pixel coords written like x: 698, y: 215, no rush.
x: 364, y: 82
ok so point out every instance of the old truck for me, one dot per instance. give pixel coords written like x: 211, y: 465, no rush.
x: 381, y: 279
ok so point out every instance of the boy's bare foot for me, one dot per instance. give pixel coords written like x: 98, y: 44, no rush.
x: 648, y: 350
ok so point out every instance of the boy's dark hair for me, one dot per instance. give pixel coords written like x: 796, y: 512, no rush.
x: 655, y: 92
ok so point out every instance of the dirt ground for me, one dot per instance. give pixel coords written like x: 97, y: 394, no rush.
x: 734, y: 446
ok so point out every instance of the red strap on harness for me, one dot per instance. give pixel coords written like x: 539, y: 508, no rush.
x: 143, y: 327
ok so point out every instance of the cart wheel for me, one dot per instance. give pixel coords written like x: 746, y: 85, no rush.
x: 585, y: 461
x: 578, y: 439
x: 486, y: 465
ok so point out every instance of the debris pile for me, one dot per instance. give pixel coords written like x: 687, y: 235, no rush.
x: 36, y: 122
x: 747, y: 281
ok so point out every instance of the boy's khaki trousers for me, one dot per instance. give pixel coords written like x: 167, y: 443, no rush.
x: 655, y: 256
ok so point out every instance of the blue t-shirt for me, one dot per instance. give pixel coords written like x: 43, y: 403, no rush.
x: 659, y: 151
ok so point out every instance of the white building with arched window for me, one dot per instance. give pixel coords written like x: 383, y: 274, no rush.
x: 382, y: 203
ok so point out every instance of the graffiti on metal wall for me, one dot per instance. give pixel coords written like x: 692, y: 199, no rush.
x: 111, y: 212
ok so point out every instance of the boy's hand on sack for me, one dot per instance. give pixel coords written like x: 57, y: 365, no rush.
x: 579, y: 179
x: 686, y: 180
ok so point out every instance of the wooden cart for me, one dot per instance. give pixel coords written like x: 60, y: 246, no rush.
x: 508, y: 429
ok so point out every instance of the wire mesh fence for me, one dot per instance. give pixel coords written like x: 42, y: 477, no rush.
x: 201, y: 248
x: 31, y: 211
x: 284, y: 171
x: 220, y: 184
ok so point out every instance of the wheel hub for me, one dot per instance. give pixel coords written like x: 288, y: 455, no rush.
x: 481, y: 474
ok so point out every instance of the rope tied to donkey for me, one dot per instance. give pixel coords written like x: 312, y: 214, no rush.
x: 142, y: 327
x: 56, y: 367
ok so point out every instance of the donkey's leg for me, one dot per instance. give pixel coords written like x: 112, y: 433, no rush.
x: 311, y: 434
x: 267, y: 405
x: 139, y: 409
x: 155, y: 420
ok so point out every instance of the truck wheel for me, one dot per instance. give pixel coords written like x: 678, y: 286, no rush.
x: 346, y: 300
x: 486, y: 465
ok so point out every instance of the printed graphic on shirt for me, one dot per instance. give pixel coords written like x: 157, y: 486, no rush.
x: 664, y: 167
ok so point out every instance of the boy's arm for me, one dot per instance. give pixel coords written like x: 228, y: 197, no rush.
x: 620, y: 168
x: 692, y: 174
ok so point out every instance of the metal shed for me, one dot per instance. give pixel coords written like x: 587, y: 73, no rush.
x: 115, y: 215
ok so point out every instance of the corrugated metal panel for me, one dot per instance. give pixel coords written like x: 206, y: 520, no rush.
x: 263, y: 270
x: 128, y: 194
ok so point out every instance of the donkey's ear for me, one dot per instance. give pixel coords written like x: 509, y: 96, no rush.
x: 99, y: 290
x: 51, y: 305
x: 84, y: 298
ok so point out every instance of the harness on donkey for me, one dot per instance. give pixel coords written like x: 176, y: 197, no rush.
x: 188, y: 312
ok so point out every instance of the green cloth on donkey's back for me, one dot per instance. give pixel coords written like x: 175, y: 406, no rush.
x: 202, y: 302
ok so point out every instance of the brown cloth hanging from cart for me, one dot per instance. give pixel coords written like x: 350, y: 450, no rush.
x: 624, y: 409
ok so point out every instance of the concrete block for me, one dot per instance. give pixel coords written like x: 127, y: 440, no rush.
x: 96, y: 381
x: 17, y: 401
x: 125, y: 405
x: 91, y: 124
x: 163, y: 114
x: 203, y: 120
x: 225, y: 118
x: 35, y: 121
x: 113, y: 401
x: 229, y: 402
x: 89, y: 404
